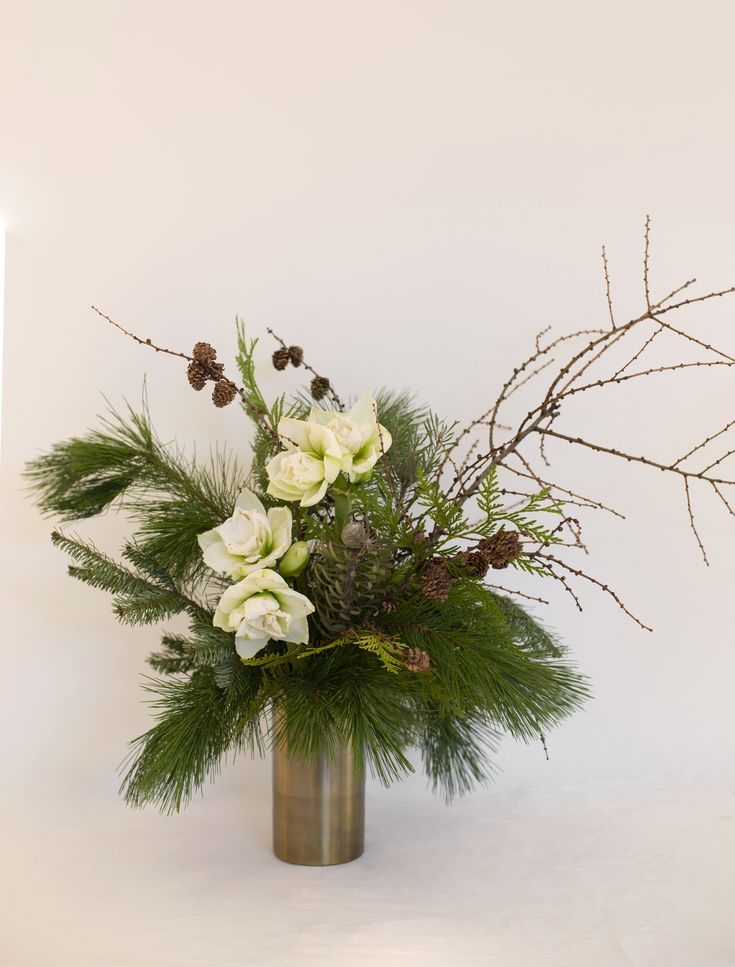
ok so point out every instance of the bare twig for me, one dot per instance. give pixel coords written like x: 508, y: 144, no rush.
x: 672, y: 468
x: 520, y: 594
x: 569, y: 496
x: 646, y: 244
x: 640, y: 352
x: 691, y: 520
x: 608, y: 296
x: 587, y: 577
x: 704, y: 443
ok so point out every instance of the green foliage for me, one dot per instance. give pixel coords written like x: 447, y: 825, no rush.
x: 493, y: 667
x: 481, y: 661
x: 140, y: 598
x: 527, y: 632
x: 172, y: 499
x: 387, y: 650
x: 175, y: 657
x: 346, y: 695
x: 199, y: 722
x: 446, y: 514
x: 455, y: 750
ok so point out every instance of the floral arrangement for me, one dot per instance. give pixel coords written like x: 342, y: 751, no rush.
x: 350, y: 575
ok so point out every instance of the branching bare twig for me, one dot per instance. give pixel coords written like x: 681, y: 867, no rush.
x: 567, y: 382
x: 332, y: 392
x: 252, y: 408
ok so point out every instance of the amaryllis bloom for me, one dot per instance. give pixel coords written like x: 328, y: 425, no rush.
x: 311, y: 461
x: 362, y: 440
x: 249, y: 540
x: 262, y: 607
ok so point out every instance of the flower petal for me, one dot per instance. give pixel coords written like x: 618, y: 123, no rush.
x: 293, y: 433
x: 298, y: 631
x: 281, y: 523
x: 365, y: 410
x: 248, y: 501
x: 314, y: 495
x: 249, y: 647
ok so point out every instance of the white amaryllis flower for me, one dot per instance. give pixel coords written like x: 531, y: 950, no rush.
x: 362, y: 440
x: 262, y: 607
x: 311, y: 461
x: 249, y: 540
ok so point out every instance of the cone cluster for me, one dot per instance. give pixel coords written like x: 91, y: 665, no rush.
x: 287, y: 354
x: 203, y: 366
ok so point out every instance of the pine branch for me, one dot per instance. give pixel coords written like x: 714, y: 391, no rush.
x: 198, y: 724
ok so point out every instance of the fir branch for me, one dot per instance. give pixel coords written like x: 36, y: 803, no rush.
x: 138, y: 599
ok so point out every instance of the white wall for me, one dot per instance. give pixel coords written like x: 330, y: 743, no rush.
x: 410, y: 190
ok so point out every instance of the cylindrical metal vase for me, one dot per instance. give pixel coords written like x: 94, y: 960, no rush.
x: 318, y: 808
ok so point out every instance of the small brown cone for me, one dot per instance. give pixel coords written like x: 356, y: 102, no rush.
x: 416, y: 660
x: 197, y: 375
x: 223, y: 393
x: 204, y: 353
x: 280, y: 358
x: 319, y: 387
x: 296, y: 355
x: 474, y: 563
x: 436, y: 581
x: 501, y: 549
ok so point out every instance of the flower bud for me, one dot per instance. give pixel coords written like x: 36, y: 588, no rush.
x: 294, y: 560
x: 354, y: 536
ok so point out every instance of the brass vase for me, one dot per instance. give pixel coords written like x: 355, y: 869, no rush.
x: 318, y: 808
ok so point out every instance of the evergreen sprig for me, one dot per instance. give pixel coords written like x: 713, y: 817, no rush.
x: 171, y: 497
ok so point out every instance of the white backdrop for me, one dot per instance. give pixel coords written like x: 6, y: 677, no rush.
x: 409, y: 190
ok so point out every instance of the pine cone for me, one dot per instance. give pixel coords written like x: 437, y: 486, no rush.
x: 204, y: 353
x: 346, y: 586
x: 474, y: 563
x: 224, y: 393
x: 197, y: 375
x: 280, y: 358
x: 296, y: 355
x: 501, y: 548
x: 436, y: 581
x: 320, y: 386
x: 416, y: 660
x: 388, y: 606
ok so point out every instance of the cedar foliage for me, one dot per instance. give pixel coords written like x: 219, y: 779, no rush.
x: 493, y: 668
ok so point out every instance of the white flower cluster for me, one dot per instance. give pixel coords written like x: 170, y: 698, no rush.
x: 261, y: 605
x: 322, y: 447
